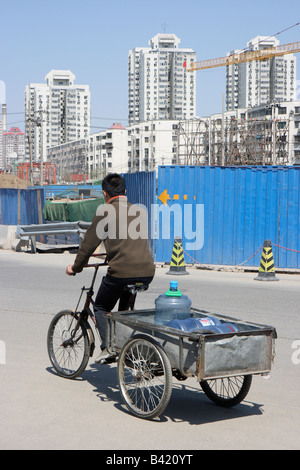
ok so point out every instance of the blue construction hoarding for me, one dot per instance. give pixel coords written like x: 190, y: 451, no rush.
x: 21, y: 206
x: 222, y: 214
x: 238, y: 207
x: 141, y: 189
x: 62, y: 191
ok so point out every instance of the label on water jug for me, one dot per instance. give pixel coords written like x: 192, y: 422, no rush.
x: 206, y: 321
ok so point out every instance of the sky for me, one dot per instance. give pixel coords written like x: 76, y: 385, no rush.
x: 92, y: 38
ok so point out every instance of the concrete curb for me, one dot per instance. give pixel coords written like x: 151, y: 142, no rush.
x: 7, y: 236
x: 227, y: 268
x: 9, y: 241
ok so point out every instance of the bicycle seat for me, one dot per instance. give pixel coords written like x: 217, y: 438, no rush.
x: 137, y: 287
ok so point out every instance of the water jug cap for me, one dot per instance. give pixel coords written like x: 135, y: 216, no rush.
x: 173, y: 291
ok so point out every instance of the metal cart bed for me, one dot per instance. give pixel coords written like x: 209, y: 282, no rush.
x: 151, y: 354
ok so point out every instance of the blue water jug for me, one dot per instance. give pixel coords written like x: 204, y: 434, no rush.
x: 192, y: 324
x: 172, y: 305
x: 208, y: 323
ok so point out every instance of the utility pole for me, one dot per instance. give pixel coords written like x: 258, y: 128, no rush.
x: 209, y: 141
x: 273, y: 107
x: 222, y: 138
x: 132, y: 163
x: 30, y: 146
x: 39, y: 123
x: 42, y: 151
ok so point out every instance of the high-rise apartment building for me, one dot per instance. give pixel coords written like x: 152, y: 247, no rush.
x: 158, y: 85
x: 13, y: 147
x: 258, y: 82
x: 57, y: 112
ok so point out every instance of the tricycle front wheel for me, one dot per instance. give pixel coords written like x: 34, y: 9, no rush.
x: 145, y: 377
x: 228, y: 391
x: 68, y: 344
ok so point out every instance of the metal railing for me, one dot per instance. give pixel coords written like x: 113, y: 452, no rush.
x: 30, y: 232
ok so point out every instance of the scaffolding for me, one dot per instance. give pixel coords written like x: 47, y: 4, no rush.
x: 232, y: 141
x: 49, y: 172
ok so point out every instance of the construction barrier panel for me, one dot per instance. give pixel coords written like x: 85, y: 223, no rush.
x: 233, y: 210
x: 21, y: 206
x: 141, y: 189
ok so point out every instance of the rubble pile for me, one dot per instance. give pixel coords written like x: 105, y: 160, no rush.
x: 12, y: 181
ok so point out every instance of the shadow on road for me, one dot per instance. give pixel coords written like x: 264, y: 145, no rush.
x: 187, y: 403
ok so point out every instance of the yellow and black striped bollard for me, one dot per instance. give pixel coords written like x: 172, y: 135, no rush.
x: 177, y: 265
x: 266, y: 270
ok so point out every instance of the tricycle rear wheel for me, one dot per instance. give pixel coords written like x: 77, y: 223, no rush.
x: 228, y: 391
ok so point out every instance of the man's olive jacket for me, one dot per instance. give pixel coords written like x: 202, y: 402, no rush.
x: 123, y: 229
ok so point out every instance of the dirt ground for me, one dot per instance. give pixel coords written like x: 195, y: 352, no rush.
x: 12, y: 181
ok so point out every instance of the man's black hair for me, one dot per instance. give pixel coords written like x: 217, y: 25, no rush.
x: 114, y: 185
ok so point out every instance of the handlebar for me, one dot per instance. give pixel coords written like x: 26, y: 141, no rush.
x: 96, y: 265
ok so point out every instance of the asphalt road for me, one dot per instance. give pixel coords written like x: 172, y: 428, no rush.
x: 39, y: 410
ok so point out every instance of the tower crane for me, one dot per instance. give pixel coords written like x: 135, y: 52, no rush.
x: 241, y: 57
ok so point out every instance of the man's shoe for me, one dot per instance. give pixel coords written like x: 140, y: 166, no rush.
x: 105, y: 357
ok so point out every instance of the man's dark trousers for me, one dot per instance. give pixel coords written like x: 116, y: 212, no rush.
x: 110, y: 291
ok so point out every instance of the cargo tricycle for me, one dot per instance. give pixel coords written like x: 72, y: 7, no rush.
x: 149, y: 355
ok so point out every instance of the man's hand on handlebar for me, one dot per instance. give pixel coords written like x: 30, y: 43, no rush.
x: 69, y: 270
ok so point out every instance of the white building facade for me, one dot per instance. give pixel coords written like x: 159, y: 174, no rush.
x: 158, y: 85
x: 287, y: 115
x: 2, y: 130
x: 93, y: 157
x: 57, y: 112
x: 256, y: 83
x: 152, y: 143
x: 141, y: 147
x: 13, y: 148
x: 107, y: 152
x: 145, y: 146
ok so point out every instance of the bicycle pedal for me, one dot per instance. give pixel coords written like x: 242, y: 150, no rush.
x: 106, y: 359
x: 109, y: 360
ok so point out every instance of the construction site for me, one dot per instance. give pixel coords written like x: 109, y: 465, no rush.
x: 242, y: 136
x: 231, y: 141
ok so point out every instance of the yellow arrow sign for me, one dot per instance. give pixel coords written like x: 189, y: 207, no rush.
x: 164, y: 197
